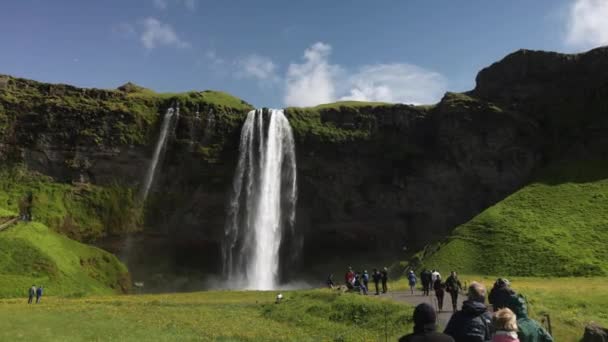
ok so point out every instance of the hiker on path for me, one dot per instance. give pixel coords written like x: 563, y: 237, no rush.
x: 365, y: 277
x: 31, y: 294
x: 349, y: 278
x: 505, y: 324
x: 412, y: 280
x: 528, y: 330
x: 38, y: 294
x: 453, y: 286
x: 425, y: 278
x: 384, y: 274
x: 500, y: 294
x: 330, y: 281
x: 425, y: 326
x: 376, y: 277
x: 473, y: 323
x: 434, y: 275
x: 439, y: 292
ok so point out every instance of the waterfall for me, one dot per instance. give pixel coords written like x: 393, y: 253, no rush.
x: 160, y: 146
x: 262, y: 203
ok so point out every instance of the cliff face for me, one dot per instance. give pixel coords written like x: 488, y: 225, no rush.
x: 371, y: 177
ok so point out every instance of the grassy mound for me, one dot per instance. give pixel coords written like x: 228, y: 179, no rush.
x: 556, y: 226
x: 30, y: 253
x: 320, y: 315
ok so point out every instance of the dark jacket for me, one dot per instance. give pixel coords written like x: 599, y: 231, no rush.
x: 438, y: 286
x: 425, y: 318
x: 529, y: 329
x: 499, y: 296
x: 471, y: 324
x: 452, y: 284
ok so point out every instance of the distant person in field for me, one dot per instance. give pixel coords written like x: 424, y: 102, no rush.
x: 505, y: 324
x: 330, y: 281
x: 425, y: 326
x: 365, y: 277
x: 376, y: 277
x: 439, y: 288
x: 38, y: 294
x: 25, y: 206
x: 31, y: 294
x: 473, y: 323
x: 384, y: 280
x: 500, y: 294
x: 528, y: 330
x: 453, y: 287
x: 425, y: 279
x: 362, y: 286
x: 349, y: 278
x: 411, y: 277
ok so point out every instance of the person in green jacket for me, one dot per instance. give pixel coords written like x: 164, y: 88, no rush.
x: 529, y: 330
x: 453, y: 287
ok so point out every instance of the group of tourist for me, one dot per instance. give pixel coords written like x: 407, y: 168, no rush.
x: 474, y: 323
x: 359, y: 281
x: 431, y: 280
x: 34, y: 292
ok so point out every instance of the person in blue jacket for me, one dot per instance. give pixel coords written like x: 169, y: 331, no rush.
x: 38, y: 294
x: 411, y: 277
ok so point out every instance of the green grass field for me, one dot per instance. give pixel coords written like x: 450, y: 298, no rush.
x: 571, y: 302
x: 317, y: 315
x: 556, y: 226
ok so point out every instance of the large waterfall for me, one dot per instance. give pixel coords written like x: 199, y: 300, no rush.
x: 160, y: 146
x: 262, y: 206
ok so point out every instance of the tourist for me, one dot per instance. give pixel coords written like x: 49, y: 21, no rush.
x: 365, y: 279
x: 425, y: 326
x: 528, y: 330
x: 412, y: 280
x: 349, y: 278
x: 330, y: 281
x: 434, y: 275
x: 453, y: 286
x: 505, y: 325
x: 425, y: 279
x: 439, y: 292
x: 384, y: 280
x: 473, y: 323
x: 31, y: 294
x: 376, y: 277
x: 500, y: 294
x: 38, y: 294
x: 362, y: 286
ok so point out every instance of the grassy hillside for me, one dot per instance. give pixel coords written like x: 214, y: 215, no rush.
x: 557, y: 225
x: 30, y: 253
x: 321, y: 315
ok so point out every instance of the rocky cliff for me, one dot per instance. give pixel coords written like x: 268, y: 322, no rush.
x: 372, y: 177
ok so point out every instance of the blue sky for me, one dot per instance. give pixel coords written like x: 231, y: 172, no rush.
x: 277, y: 53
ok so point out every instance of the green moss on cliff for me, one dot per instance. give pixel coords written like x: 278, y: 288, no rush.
x: 555, y: 226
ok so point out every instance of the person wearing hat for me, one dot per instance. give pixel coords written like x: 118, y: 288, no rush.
x: 425, y: 326
x: 500, y: 294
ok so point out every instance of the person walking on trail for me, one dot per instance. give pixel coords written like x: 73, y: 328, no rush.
x: 376, y: 277
x: 425, y: 326
x: 505, y: 324
x: 384, y: 274
x: 38, y: 294
x: 31, y: 294
x: 349, y: 278
x: 500, y: 294
x: 411, y: 277
x: 425, y: 279
x: 330, y: 281
x: 453, y: 286
x: 439, y: 288
x: 473, y: 323
x: 528, y: 330
x: 365, y: 277
x: 434, y: 275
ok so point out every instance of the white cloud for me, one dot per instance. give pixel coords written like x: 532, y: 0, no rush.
x: 164, y: 4
x: 587, y: 23
x: 257, y: 67
x: 156, y: 34
x: 311, y: 82
x: 317, y: 81
x: 212, y: 56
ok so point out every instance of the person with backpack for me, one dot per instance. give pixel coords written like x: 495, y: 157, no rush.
x: 473, y: 323
x: 425, y: 326
x: 376, y: 277
x: 439, y: 288
x: 500, y: 294
x: 425, y: 279
x: 38, y: 294
x: 31, y: 294
x: 453, y: 287
x: 384, y: 280
x: 411, y: 277
x: 528, y: 330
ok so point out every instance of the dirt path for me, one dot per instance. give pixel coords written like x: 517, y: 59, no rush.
x: 417, y: 298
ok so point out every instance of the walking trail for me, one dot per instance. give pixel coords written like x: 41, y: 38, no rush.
x: 417, y: 298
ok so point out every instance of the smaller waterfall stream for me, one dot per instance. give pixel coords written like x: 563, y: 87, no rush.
x: 160, y: 146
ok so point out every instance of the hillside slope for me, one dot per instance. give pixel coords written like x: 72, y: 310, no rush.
x: 557, y: 225
x: 30, y: 253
